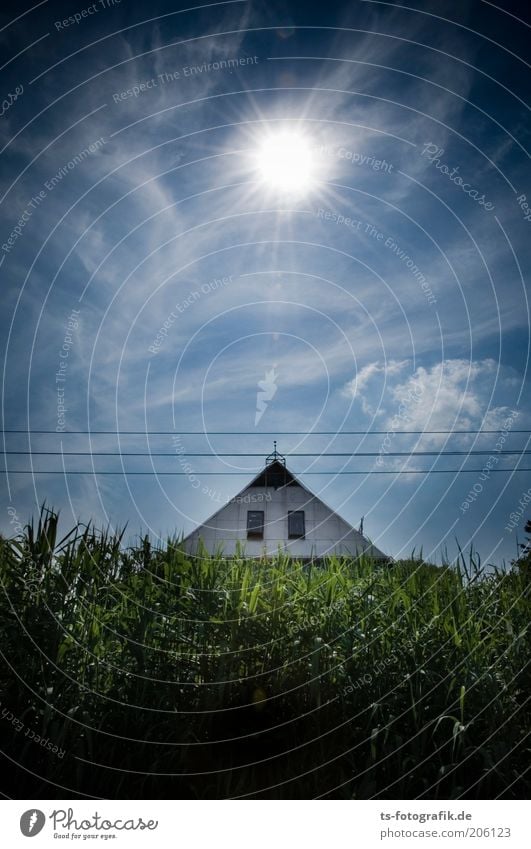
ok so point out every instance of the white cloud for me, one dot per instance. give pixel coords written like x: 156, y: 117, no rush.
x: 367, y: 373
x: 454, y: 394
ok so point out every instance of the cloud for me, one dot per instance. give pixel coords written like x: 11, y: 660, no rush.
x: 454, y: 394
x: 367, y: 373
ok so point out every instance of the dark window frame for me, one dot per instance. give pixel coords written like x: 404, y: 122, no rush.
x: 255, y: 531
x: 293, y: 534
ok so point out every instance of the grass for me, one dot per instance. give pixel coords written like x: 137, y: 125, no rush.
x: 164, y: 676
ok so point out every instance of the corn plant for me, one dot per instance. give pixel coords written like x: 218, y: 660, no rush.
x: 162, y: 675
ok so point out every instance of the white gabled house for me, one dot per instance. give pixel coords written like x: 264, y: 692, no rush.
x: 276, y: 512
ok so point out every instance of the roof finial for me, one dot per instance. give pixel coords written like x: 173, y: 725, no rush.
x: 275, y: 456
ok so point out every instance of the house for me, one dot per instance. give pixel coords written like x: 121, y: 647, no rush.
x: 276, y: 512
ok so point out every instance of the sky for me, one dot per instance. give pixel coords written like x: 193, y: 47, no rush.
x: 245, y: 221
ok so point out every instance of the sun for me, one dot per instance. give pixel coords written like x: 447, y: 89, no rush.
x: 286, y: 163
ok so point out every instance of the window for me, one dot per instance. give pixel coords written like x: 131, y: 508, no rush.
x: 255, y: 524
x: 296, y: 524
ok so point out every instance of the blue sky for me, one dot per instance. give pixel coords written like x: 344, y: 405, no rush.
x: 153, y: 281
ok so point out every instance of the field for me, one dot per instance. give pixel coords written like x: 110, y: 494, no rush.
x: 142, y: 673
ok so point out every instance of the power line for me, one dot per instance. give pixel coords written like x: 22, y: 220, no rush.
x: 251, y: 432
x: 518, y: 452
x: 369, y: 472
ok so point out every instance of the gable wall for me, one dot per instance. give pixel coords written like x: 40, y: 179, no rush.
x: 326, y: 532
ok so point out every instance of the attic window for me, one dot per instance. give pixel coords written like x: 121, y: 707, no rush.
x: 296, y: 524
x: 255, y: 524
x: 275, y: 475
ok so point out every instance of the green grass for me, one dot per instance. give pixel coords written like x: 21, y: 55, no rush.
x: 165, y: 676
